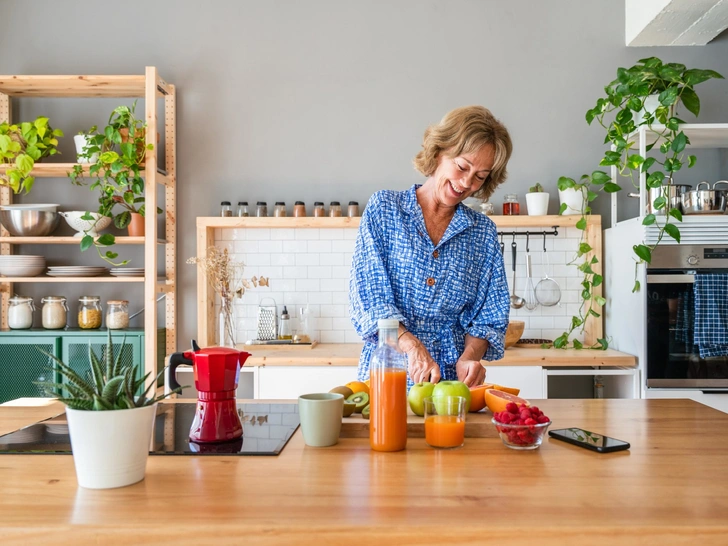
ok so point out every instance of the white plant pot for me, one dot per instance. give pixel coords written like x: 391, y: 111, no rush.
x: 110, y: 448
x: 574, y: 200
x: 80, y: 141
x: 652, y: 102
x: 537, y: 204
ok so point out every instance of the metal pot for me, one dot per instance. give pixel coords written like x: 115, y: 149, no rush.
x: 672, y: 192
x: 705, y: 201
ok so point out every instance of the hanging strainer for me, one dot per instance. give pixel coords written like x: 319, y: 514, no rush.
x: 530, y: 295
x: 548, y: 291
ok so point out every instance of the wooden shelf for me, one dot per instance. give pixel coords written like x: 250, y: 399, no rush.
x: 83, y: 280
x: 79, y: 86
x: 120, y: 240
x: 345, y: 222
x: 61, y: 170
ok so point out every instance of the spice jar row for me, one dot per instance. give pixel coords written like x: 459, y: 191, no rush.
x: 279, y: 210
x: 54, y: 313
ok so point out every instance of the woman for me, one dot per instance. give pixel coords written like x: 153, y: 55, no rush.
x: 426, y: 259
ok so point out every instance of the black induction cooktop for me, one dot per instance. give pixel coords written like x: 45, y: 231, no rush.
x: 266, y: 431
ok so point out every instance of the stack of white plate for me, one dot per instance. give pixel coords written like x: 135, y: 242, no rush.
x: 76, y: 271
x: 127, y: 271
x: 22, y: 266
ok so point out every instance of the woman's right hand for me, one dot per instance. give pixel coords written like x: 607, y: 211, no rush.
x: 421, y: 366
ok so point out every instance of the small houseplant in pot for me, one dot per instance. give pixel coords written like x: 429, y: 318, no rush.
x: 537, y: 201
x: 117, y: 170
x: 22, y: 145
x: 109, y: 423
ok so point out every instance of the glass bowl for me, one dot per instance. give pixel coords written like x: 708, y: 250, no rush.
x: 521, y: 436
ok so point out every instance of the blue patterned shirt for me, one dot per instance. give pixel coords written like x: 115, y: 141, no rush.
x: 440, y: 293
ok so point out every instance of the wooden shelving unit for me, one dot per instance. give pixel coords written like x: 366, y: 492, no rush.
x: 150, y: 87
x: 206, y: 226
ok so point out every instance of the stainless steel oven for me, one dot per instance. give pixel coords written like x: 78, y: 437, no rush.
x: 673, y: 359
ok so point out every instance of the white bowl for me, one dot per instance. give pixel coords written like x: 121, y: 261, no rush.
x: 22, y: 270
x: 92, y: 227
x: 45, y: 207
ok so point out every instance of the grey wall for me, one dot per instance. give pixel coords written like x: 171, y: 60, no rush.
x: 328, y: 99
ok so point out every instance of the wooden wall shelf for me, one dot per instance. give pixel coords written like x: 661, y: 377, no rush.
x: 150, y: 87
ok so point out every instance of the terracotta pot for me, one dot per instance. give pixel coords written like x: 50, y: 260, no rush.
x: 136, y: 226
x: 140, y: 147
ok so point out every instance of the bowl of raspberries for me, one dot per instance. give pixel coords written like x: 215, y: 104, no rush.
x: 521, y: 426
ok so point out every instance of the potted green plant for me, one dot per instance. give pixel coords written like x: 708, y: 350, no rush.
x: 626, y: 107
x: 22, y: 145
x: 537, y: 201
x: 109, y: 423
x: 117, y: 155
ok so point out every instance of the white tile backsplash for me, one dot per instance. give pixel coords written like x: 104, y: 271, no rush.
x: 310, y: 266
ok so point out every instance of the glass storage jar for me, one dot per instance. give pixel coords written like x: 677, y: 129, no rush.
x: 226, y: 209
x: 299, y: 209
x: 261, y: 208
x: 353, y: 209
x: 117, y: 314
x: 511, y: 206
x: 318, y: 209
x: 280, y: 209
x: 487, y: 208
x: 334, y: 209
x: 54, y: 313
x: 243, y: 208
x: 89, y: 312
x: 20, y: 312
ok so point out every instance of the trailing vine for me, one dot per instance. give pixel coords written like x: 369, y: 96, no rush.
x: 620, y: 113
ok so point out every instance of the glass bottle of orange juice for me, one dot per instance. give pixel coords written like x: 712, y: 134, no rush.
x: 388, y: 391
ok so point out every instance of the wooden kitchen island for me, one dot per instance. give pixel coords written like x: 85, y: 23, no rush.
x: 670, y: 488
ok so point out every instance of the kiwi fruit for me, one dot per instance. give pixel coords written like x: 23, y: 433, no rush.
x: 365, y: 413
x: 361, y: 399
x: 345, y: 391
x: 349, y: 408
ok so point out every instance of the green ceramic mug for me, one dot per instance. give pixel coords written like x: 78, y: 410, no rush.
x: 320, y: 416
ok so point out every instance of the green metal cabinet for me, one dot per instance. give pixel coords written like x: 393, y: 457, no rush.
x: 21, y: 361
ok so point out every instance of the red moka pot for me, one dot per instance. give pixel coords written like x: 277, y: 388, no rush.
x: 217, y: 370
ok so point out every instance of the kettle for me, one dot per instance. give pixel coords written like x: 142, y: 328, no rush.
x: 217, y: 370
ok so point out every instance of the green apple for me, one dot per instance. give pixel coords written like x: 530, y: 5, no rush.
x: 451, y: 388
x: 417, y: 395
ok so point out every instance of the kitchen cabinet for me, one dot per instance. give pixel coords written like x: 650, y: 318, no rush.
x: 530, y: 379
x: 292, y: 381
x: 22, y: 362
x: 153, y: 89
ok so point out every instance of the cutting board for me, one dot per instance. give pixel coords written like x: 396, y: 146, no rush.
x: 477, y: 425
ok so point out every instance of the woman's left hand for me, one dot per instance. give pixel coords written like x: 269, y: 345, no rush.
x: 470, y: 372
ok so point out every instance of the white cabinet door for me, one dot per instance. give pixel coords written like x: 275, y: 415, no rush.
x: 717, y: 401
x: 527, y: 378
x: 290, y: 382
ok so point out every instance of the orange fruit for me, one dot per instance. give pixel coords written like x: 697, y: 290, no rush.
x: 358, y: 386
x: 511, y: 390
x: 498, y: 400
x: 477, y: 397
x: 368, y: 385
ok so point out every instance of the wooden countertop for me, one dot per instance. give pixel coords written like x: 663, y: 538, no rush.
x: 669, y: 488
x: 347, y: 354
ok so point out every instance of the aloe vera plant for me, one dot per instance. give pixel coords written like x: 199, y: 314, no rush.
x: 109, y: 385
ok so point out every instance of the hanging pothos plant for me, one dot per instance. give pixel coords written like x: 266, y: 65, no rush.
x: 620, y: 113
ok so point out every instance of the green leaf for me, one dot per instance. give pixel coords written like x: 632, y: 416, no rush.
x: 695, y: 76
x: 636, y: 287
x: 635, y: 104
x: 643, y: 252
x: 562, y: 208
x: 691, y: 161
x: 111, y: 389
x: 600, y: 177
x: 611, y: 187
x: 673, y: 231
x: 634, y: 161
x: 577, y: 344
x: 581, y: 224
x: 122, y: 220
x: 668, y: 96
x: 585, y: 294
x: 691, y: 101
x: 597, y: 280
x: 565, y: 183
x: 675, y: 213
x: 593, y: 313
x: 107, y: 239
x: 649, y: 220
x: 584, y: 248
x: 678, y: 145
x: 600, y: 300
x: 561, y: 341
x: 576, y: 322
x: 86, y: 242
x: 659, y: 203
x: 648, y: 163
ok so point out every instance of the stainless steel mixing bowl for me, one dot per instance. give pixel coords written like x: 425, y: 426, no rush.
x: 29, y: 223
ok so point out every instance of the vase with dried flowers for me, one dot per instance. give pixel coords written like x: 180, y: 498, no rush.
x: 225, y: 276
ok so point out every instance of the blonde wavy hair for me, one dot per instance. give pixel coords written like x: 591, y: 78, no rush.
x: 466, y: 130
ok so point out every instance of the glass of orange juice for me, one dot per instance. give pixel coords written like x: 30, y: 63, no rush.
x: 445, y: 421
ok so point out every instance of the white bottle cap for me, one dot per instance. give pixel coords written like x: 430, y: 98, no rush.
x: 387, y: 323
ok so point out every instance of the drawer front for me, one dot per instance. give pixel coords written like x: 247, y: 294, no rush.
x: 22, y: 362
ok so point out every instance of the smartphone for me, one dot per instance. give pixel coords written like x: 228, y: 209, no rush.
x: 589, y: 440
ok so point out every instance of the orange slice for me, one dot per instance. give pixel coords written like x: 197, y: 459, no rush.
x: 498, y: 400
x: 511, y: 390
x: 477, y: 397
